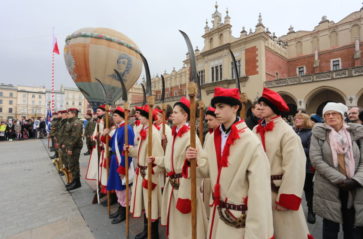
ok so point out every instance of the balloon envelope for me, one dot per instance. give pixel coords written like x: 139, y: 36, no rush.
x: 92, y: 54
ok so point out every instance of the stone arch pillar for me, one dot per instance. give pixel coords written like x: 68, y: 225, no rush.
x: 317, y: 99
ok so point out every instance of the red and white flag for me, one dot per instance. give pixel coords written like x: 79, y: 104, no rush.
x: 55, y: 46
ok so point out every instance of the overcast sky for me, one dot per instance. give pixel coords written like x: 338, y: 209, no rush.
x: 26, y: 28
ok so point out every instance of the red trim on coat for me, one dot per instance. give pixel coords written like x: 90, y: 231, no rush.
x: 310, y: 236
x: 145, y: 184
x: 185, y: 168
x: 263, y: 129
x: 121, y: 170
x: 104, y: 137
x: 222, y: 157
x: 184, y: 205
x: 212, y: 223
x: 103, y: 189
x: 289, y: 201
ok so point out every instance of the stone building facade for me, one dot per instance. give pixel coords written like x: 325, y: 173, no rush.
x: 308, y: 68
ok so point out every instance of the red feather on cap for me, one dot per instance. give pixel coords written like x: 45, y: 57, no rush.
x: 276, y: 99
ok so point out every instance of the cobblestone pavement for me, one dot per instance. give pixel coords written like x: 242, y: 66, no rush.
x: 33, y: 201
x: 35, y: 204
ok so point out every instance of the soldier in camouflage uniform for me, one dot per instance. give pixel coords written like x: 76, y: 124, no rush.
x: 88, y: 132
x: 52, y: 133
x: 59, y: 137
x: 73, y: 145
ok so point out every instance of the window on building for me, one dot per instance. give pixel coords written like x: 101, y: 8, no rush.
x: 10, y: 102
x: 10, y: 110
x: 216, y: 69
x: 67, y: 103
x: 1, y: 109
x: 1, y: 93
x: 24, y: 95
x: 238, y: 68
x: 73, y: 103
x: 11, y: 94
x: 217, y: 72
x: 300, y: 71
x: 220, y: 72
x: 33, y: 96
x: 212, y: 71
x: 201, y: 75
x: 80, y: 103
x: 1, y: 101
x: 335, y: 64
x: 33, y: 102
x: 39, y: 96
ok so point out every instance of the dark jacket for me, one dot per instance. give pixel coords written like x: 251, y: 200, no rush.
x: 251, y: 121
x: 305, y: 135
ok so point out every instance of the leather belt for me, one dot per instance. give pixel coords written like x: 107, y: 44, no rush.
x: 228, y: 218
x: 174, y: 180
x: 230, y: 206
x: 143, y: 169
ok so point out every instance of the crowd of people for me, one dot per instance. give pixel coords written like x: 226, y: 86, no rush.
x: 251, y: 173
x: 13, y: 129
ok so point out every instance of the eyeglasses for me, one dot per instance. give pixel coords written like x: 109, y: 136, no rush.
x: 334, y: 114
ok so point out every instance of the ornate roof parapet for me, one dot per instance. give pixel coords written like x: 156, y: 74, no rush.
x: 243, y: 32
x: 227, y: 18
x: 217, y: 17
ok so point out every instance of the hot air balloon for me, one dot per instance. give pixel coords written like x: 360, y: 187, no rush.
x: 93, y: 54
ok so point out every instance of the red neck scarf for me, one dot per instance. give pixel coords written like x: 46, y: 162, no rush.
x: 143, y: 133
x: 158, y: 126
x: 210, y: 130
x: 181, y: 131
x: 137, y: 122
x: 222, y: 157
x: 262, y: 129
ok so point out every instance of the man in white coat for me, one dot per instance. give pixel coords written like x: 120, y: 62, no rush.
x: 287, y: 159
x: 239, y: 172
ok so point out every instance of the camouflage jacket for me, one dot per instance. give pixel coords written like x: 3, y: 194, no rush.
x: 53, y: 127
x: 73, y: 134
x: 60, y: 132
x: 90, y: 127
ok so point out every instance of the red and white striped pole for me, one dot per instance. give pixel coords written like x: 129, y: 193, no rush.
x: 52, y: 101
x: 56, y: 51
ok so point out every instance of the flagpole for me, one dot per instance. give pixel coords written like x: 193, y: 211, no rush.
x: 52, y: 101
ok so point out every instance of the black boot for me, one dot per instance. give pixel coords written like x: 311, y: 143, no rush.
x: 54, y: 156
x: 74, y: 185
x: 311, y: 217
x: 155, y: 230
x: 121, y: 217
x: 116, y: 214
x: 113, y: 200
x: 143, y: 234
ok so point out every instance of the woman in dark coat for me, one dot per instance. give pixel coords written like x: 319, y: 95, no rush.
x: 302, y: 126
